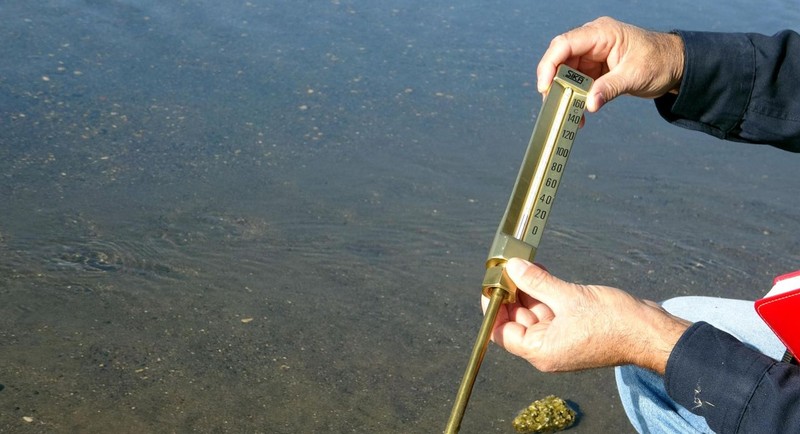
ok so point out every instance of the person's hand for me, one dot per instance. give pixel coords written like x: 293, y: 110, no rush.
x: 623, y: 59
x: 561, y: 326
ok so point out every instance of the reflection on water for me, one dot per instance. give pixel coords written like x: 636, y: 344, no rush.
x: 272, y: 216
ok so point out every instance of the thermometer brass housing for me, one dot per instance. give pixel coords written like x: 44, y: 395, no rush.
x: 528, y: 208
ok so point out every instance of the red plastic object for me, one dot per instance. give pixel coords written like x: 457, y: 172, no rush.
x: 780, y: 309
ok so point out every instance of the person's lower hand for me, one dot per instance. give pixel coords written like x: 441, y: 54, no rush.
x: 623, y: 59
x: 561, y: 326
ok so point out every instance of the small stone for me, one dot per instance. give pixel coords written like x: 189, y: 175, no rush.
x: 246, y: 320
x: 27, y: 419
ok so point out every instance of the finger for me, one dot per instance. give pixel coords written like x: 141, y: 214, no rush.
x: 569, y: 48
x: 606, y: 88
x: 532, y: 280
x: 521, y: 315
x: 519, y: 340
x: 595, y: 100
x: 516, y: 312
x: 545, y: 73
x: 539, y: 310
x: 542, y: 312
x: 502, y: 313
x: 510, y: 336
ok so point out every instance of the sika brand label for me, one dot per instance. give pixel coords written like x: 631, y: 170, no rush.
x: 574, y: 76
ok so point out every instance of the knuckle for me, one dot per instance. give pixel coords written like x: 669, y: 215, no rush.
x: 605, y: 20
x: 559, y: 40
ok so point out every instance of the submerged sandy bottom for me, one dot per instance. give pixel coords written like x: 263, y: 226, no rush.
x: 273, y: 217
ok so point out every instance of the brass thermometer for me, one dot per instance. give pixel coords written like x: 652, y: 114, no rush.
x: 520, y: 230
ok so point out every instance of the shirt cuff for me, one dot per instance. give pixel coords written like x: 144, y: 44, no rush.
x: 714, y: 375
x: 719, y: 70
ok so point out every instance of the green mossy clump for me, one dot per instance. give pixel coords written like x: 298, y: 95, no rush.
x: 546, y: 415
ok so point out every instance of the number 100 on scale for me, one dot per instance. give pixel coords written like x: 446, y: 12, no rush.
x: 555, y: 168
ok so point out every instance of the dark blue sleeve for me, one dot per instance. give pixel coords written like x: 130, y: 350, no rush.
x: 740, y: 87
x: 736, y: 389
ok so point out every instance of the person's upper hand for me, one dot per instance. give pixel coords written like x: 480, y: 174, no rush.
x: 623, y: 59
x: 561, y: 326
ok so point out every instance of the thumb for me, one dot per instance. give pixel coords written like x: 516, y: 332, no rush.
x: 606, y: 88
x: 533, y: 280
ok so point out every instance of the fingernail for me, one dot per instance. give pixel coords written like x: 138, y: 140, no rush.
x: 597, y: 102
x: 540, y: 86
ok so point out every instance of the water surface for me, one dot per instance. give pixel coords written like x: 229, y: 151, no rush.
x: 252, y: 216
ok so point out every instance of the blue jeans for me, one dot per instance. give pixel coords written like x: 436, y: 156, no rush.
x: 642, y: 392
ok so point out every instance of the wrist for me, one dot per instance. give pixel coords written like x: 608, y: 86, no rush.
x: 676, y: 56
x: 661, y: 332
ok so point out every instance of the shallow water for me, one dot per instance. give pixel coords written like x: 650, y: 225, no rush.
x: 272, y: 216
